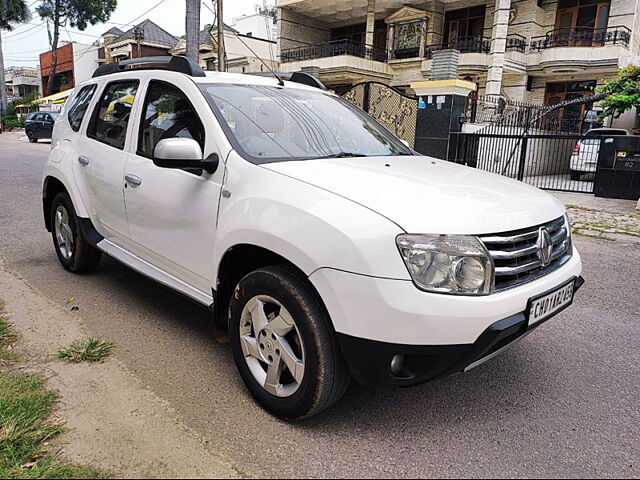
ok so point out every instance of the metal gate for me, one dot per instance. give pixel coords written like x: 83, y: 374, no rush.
x: 528, y: 144
x: 392, y: 108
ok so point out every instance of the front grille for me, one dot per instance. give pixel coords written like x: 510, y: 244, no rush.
x: 515, y: 254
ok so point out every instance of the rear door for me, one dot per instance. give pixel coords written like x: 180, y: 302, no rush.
x: 102, y: 155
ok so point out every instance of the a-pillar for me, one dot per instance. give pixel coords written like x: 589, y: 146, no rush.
x: 444, y: 103
x: 371, y: 23
x: 498, y: 46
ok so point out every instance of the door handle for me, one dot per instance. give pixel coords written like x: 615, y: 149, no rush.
x: 133, y: 180
x: 83, y: 161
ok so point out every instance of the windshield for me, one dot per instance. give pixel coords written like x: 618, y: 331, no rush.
x: 267, y: 124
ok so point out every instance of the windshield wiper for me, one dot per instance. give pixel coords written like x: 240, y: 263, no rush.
x: 344, y: 155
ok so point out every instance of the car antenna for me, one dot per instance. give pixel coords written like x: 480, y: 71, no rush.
x: 280, y: 81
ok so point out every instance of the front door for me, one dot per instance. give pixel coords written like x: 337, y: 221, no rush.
x: 172, y: 213
x: 102, y: 156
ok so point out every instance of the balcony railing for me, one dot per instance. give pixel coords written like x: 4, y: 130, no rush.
x: 463, y: 44
x: 516, y: 42
x: 332, y: 49
x: 582, y: 37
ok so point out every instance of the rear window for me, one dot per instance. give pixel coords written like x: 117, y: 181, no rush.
x: 595, y: 136
x: 79, y: 107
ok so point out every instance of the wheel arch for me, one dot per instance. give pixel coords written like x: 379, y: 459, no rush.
x: 51, y: 186
x: 242, y: 259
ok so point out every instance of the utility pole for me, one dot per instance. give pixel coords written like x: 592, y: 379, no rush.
x: 138, y: 35
x: 221, y: 62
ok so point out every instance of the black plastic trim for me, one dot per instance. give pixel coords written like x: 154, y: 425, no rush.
x: 370, y: 361
x: 176, y: 63
x: 295, y: 77
x: 89, y: 232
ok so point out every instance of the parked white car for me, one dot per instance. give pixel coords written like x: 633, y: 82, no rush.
x: 328, y: 248
x: 584, y: 157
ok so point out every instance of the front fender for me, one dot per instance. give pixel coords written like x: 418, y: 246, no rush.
x: 310, y: 227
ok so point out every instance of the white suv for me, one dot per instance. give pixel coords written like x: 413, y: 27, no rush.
x: 328, y: 248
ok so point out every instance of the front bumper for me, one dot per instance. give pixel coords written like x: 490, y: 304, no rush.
x: 370, y: 360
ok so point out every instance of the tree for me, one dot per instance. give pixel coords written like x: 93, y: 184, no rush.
x: 76, y: 14
x: 192, y: 25
x: 268, y: 10
x: 11, y: 12
x: 624, y: 93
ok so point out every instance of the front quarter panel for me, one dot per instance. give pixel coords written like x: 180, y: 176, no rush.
x: 307, y: 225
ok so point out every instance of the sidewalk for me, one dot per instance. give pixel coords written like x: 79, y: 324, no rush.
x: 113, y: 422
x: 605, y: 218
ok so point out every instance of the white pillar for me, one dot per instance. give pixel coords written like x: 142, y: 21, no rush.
x: 371, y: 22
x: 498, y: 46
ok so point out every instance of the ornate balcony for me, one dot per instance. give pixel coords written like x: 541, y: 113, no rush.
x: 463, y: 44
x: 582, y: 37
x: 333, y: 49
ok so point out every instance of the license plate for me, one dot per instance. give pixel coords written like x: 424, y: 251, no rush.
x: 550, y: 303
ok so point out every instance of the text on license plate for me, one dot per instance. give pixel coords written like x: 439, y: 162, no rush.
x: 546, y: 306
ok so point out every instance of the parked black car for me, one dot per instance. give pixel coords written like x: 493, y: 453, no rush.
x: 40, y: 125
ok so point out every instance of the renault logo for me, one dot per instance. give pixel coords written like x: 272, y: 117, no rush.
x: 545, y: 247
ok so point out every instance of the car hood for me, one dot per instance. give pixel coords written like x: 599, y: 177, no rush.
x: 425, y: 195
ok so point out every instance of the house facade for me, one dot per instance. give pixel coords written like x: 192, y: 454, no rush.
x: 536, y: 51
x: 21, y: 82
x: 76, y: 63
x: 146, y: 39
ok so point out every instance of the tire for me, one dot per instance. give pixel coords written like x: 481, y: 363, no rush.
x: 324, y: 376
x: 574, y: 175
x: 31, y: 138
x: 74, y: 252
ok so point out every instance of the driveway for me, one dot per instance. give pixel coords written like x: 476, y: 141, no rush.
x: 561, y: 403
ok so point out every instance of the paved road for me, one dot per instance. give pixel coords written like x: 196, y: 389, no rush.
x: 563, y: 402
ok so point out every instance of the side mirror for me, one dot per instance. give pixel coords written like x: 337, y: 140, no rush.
x: 182, y: 154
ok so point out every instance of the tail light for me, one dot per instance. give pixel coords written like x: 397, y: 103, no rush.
x: 576, y: 149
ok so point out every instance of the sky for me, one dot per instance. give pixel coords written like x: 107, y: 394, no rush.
x: 23, y: 45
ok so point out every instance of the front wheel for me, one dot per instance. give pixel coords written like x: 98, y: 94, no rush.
x: 32, y: 138
x: 74, y: 252
x: 283, y: 345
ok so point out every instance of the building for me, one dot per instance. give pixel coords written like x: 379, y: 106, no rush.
x: 144, y: 40
x: 244, y: 53
x: 76, y: 63
x: 21, y: 82
x: 256, y: 25
x: 537, y: 51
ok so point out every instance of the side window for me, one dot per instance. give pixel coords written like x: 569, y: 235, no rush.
x: 167, y: 114
x: 111, y: 117
x: 79, y: 107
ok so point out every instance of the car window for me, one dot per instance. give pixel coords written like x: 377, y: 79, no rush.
x: 167, y: 114
x: 112, y: 114
x: 80, y: 106
x: 39, y: 117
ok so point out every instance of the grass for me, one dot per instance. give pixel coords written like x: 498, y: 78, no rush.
x: 91, y: 350
x: 7, y: 339
x: 25, y: 407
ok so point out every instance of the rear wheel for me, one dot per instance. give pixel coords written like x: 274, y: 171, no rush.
x: 283, y: 345
x: 74, y: 252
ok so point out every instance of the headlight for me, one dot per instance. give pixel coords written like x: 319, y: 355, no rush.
x: 456, y: 264
x: 567, y: 225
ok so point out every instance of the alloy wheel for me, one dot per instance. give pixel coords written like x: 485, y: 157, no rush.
x: 64, y: 233
x: 272, y: 346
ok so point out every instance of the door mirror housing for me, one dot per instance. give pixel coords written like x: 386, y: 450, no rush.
x: 183, y: 154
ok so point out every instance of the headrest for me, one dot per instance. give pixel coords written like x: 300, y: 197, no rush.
x: 270, y: 118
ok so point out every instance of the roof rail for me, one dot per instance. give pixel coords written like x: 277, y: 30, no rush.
x: 178, y: 64
x: 296, y: 77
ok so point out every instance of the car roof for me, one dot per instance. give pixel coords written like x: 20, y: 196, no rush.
x: 210, y: 77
